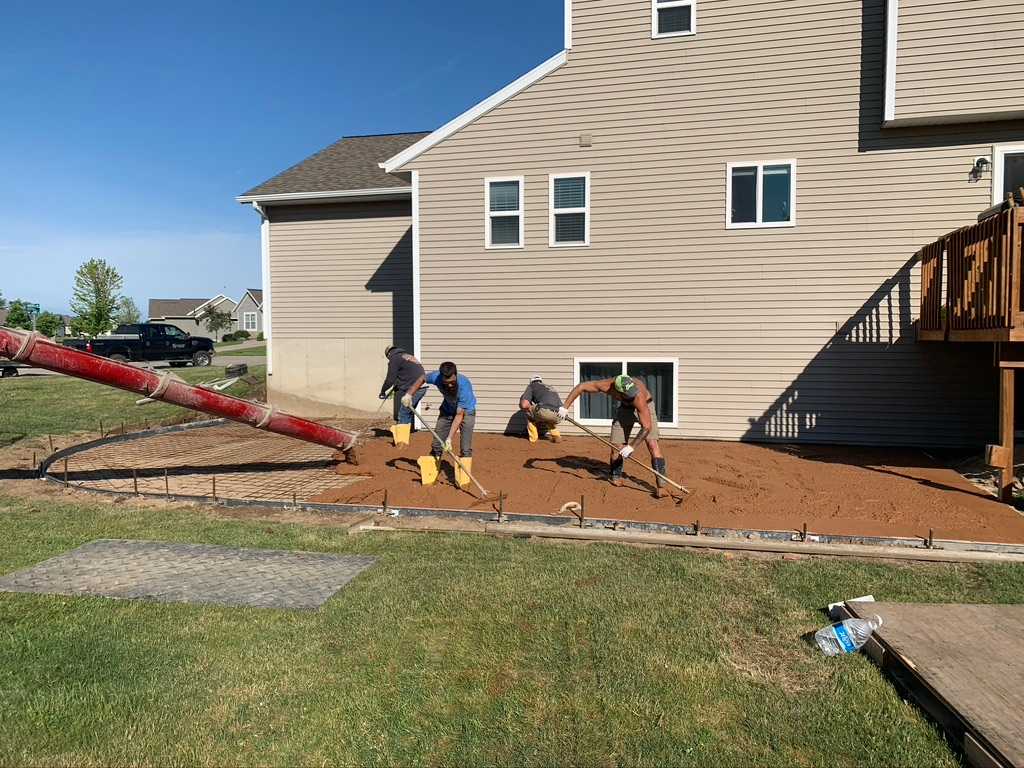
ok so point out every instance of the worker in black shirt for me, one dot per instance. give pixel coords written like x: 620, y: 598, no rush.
x: 404, y: 374
x: 541, y: 404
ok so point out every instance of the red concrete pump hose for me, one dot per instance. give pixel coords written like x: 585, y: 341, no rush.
x: 38, y: 351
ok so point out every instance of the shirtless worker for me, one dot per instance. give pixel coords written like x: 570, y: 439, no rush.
x: 541, y: 404
x: 457, y: 417
x: 635, y: 404
x: 404, y: 371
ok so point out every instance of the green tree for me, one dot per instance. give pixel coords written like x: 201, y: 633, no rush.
x: 49, y: 324
x: 216, y: 322
x: 18, y: 315
x: 96, y: 295
x: 126, y: 312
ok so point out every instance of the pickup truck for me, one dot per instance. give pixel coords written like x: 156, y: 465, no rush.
x: 138, y: 342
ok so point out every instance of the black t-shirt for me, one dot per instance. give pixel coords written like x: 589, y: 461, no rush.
x: 541, y: 394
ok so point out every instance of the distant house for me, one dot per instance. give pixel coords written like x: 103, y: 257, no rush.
x: 249, y: 312
x: 190, y: 314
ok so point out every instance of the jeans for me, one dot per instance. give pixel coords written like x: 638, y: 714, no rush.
x: 405, y: 414
x: 444, y: 427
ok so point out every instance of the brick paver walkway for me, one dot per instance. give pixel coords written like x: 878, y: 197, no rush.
x: 192, y: 573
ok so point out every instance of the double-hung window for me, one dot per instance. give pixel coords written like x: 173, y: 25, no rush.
x: 249, y: 321
x: 1008, y: 171
x: 673, y: 18
x: 570, y: 209
x: 761, y: 194
x: 658, y: 374
x: 503, y: 212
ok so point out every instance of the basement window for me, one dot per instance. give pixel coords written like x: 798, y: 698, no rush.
x: 673, y: 18
x: 659, y: 374
x: 570, y: 209
x: 761, y: 194
x: 503, y: 212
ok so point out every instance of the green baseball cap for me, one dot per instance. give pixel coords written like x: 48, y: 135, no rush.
x: 626, y: 385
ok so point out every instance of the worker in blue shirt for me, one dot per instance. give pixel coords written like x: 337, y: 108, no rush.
x: 457, y: 416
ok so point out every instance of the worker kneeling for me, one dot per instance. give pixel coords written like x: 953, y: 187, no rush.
x: 541, y: 403
x: 457, y: 417
x: 635, y: 404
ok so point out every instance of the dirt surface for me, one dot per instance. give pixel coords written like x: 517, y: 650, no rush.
x: 835, y: 490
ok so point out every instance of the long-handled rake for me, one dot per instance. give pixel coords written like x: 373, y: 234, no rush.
x: 611, y: 445
x: 485, y: 493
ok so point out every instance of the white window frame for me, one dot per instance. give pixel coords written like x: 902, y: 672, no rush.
x: 245, y: 321
x: 488, y: 213
x: 577, y: 406
x: 759, y: 224
x: 659, y: 4
x: 552, y: 177
x: 999, y: 153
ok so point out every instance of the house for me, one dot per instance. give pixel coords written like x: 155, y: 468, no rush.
x: 725, y: 199
x: 249, y: 312
x: 190, y: 314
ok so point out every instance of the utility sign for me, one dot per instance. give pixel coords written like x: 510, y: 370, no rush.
x: 32, y: 309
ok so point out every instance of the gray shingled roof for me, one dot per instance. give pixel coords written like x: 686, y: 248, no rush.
x: 348, y: 164
x: 257, y: 295
x: 173, y: 307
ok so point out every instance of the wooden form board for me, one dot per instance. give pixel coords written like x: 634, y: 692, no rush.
x: 965, y: 665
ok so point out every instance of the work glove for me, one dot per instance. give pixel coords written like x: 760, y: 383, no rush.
x: 383, y: 395
x: 407, y: 400
x: 448, y: 446
x: 626, y: 452
x: 563, y: 412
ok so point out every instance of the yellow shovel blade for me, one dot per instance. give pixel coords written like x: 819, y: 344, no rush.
x: 429, y: 468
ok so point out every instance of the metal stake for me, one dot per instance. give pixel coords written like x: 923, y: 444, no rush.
x: 696, y: 528
x: 215, y: 488
x: 167, y: 484
x: 385, y: 501
x: 583, y: 509
x: 501, y: 505
x: 803, y: 534
x: 51, y: 443
x: 122, y: 427
x: 34, y: 465
x: 930, y: 544
x: 102, y: 434
x: 135, y: 480
x: 295, y: 503
x: 65, y: 471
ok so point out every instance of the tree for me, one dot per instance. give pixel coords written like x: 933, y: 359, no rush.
x: 3, y: 301
x: 218, y: 321
x: 127, y: 312
x: 49, y: 324
x: 18, y: 316
x: 96, y: 295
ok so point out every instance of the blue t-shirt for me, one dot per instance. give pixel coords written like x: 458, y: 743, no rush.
x: 464, y: 400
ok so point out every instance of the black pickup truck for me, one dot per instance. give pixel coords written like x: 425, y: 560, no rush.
x: 139, y: 342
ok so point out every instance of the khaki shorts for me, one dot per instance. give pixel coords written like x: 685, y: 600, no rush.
x: 544, y: 417
x: 624, y: 421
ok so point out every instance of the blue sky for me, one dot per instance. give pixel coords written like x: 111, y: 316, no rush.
x: 128, y: 128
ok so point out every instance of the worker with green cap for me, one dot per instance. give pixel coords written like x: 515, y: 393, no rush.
x: 635, y: 404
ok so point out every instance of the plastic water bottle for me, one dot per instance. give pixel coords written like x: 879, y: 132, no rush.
x: 846, y: 636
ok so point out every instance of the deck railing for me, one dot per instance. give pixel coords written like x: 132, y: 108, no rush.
x: 971, y: 282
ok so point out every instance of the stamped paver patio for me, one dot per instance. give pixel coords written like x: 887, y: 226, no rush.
x: 191, y: 573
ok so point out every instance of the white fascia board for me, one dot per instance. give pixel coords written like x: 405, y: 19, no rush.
x: 387, y: 193
x: 452, y: 126
x: 892, y: 26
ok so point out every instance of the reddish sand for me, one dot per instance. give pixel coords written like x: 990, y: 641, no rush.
x: 835, y: 490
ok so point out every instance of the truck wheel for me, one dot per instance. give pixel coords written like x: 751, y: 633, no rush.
x: 202, y: 359
x: 119, y: 358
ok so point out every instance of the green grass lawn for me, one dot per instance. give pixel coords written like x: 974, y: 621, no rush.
x: 260, y: 351
x: 457, y: 650
x: 41, y: 405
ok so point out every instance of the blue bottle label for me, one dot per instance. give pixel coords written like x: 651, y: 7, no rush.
x: 844, y: 638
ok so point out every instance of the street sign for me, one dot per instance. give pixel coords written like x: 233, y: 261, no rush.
x: 33, y: 309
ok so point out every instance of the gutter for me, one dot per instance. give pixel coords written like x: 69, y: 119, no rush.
x: 350, y: 195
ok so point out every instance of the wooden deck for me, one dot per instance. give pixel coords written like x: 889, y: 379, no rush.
x: 964, y: 665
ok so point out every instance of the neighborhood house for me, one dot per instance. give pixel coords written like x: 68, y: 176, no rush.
x: 725, y: 199
x: 190, y: 314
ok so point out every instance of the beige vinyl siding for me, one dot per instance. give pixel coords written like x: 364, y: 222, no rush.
x: 959, y: 58
x: 341, y: 281
x: 796, y: 333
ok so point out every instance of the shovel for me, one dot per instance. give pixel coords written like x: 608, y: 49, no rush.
x: 483, y: 492
x: 611, y: 445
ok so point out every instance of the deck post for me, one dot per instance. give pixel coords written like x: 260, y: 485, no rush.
x: 1006, y: 433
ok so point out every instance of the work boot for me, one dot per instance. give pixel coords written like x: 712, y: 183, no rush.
x: 531, y: 432
x: 400, y: 433
x: 430, y: 467
x: 660, y: 491
x: 616, y: 473
x: 554, y: 436
x: 461, y: 478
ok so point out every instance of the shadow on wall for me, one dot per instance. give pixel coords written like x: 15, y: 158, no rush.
x: 874, y: 381
x: 872, y: 137
x: 394, y: 276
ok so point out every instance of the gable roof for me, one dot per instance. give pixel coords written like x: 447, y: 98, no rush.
x: 256, y: 294
x: 413, y: 151
x: 212, y: 304
x: 174, y: 307
x: 348, y: 165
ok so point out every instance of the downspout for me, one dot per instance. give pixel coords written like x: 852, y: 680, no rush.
x: 265, y: 270
x: 417, y: 335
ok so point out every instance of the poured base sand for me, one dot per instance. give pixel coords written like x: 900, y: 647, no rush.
x: 835, y: 490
